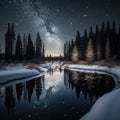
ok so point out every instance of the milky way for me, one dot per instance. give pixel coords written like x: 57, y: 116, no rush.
x: 56, y: 20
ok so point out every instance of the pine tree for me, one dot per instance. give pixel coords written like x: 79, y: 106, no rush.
x: 107, y: 49
x: 84, y: 45
x: 114, y: 41
x: 12, y: 40
x: 98, y: 43
x: 24, y: 44
x: 98, y: 52
x: 66, y: 50
x: 90, y: 52
x: 0, y: 48
x: 7, y: 43
x: 43, y: 51
x: 91, y: 34
x: 30, y: 52
x: 75, y: 54
x: 69, y: 50
x: 18, y: 50
x: 38, y: 46
x: 78, y: 44
x: 119, y: 43
x: 102, y: 41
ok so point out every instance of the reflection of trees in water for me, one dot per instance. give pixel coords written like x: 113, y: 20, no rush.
x: 19, y: 88
x: 9, y: 99
x: 89, y: 84
x: 30, y: 86
x: 23, y: 90
x: 38, y: 89
x: 49, y: 92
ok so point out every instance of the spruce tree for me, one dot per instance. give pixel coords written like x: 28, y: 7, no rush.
x: 30, y: 52
x: 78, y: 44
x: 24, y: 44
x: 18, y: 50
x: 7, y: 43
x: 43, y: 51
x: 118, y: 42
x: 12, y: 41
x: 84, y: 45
x: 38, y: 46
x: 0, y: 48
x: 107, y: 49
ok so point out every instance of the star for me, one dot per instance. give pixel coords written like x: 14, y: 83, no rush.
x: 57, y: 10
x: 106, y: 14
x: 85, y: 15
x: 87, y: 7
x: 10, y: 1
x: 71, y: 23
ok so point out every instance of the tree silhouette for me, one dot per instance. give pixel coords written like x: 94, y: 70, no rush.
x: 78, y: 44
x: 12, y: 40
x: 30, y: 52
x: 107, y: 49
x: 38, y: 46
x: 18, y: 50
x: 9, y: 42
x: 0, y: 48
x: 24, y: 44
x: 43, y: 51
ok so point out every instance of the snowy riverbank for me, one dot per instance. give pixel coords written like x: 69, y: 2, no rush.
x: 15, y: 72
x: 106, y: 107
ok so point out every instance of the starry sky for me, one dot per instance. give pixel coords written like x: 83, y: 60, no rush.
x: 56, y: 20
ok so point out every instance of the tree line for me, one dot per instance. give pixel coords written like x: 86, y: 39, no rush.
x: 103, y: 44
x: 18, y: 48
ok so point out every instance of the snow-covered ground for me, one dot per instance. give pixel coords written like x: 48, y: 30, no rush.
x: 106, y: 107
x: 15, y: 72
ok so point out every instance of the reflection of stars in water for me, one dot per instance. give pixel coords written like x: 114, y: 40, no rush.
x: 10, y: 2
x: 87, y: 7
x: 85, y: 15
x: 71, y: 23
x: 107, y: 15
x: 57, y: 10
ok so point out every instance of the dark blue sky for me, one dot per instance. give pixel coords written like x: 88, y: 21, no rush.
x: 56, y: 20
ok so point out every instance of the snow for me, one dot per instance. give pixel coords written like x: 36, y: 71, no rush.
x: 106, y: 107
x: 14, y: 72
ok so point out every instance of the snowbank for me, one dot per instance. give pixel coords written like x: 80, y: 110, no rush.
x: 106, y: 107
x: 15, y: 72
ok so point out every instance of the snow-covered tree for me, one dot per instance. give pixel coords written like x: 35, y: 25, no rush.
x: 90, y: 52
x: 75, y: 54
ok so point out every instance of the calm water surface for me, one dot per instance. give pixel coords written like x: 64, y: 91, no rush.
x: 59, y: 95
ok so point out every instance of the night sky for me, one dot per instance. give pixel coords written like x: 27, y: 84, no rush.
x: 56, y: 20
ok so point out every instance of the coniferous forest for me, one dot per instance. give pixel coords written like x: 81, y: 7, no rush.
x: 21, y: 48
x: 103, y: 44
